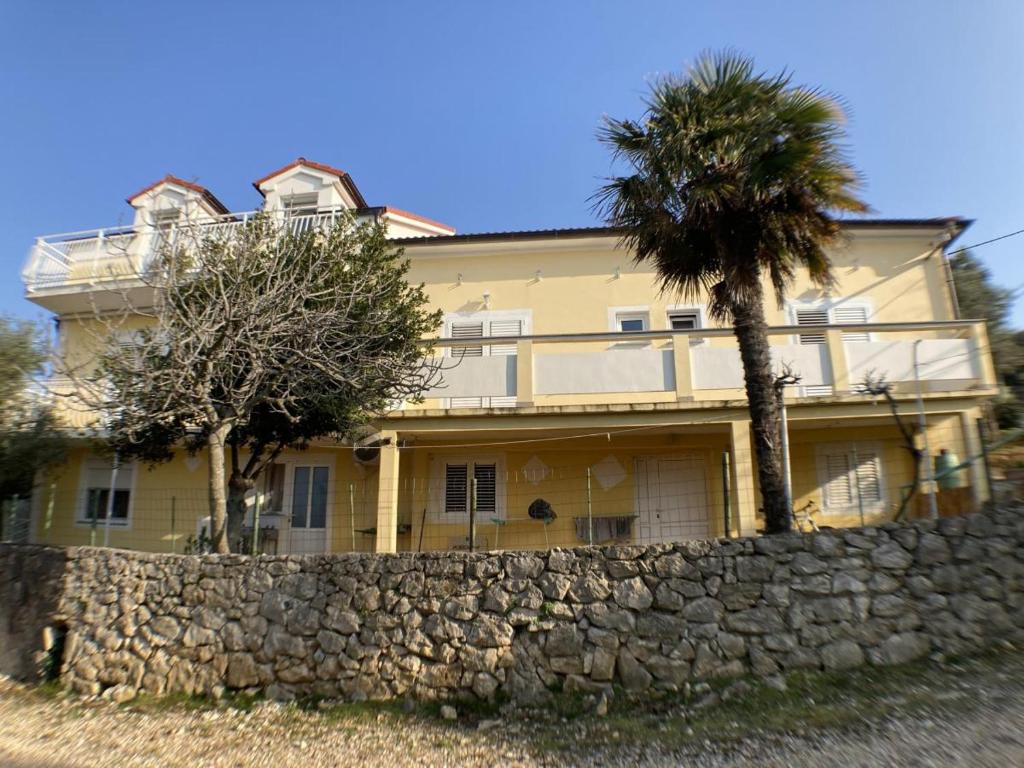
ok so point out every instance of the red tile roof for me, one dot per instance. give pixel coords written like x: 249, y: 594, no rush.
x: 416, y: 217
x: 171, y: 179
x: 346, y: 180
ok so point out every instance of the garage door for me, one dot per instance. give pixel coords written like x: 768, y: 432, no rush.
x: 671, y: 498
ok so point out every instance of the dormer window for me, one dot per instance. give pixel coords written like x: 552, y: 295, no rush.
x: 165, y: 219
x: 301, y: 205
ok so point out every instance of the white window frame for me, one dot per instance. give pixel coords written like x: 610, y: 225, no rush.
x: 615, y: 317
x: 90, y: 463
x: 301, y: 204
x: 697, y: 309
x: 830, y: 306
x: 438, y: 473
x: 821, y: 454
x: 485, y: 318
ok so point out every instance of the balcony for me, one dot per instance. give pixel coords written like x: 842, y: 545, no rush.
x: 674, y: 367
x: 79, y: 262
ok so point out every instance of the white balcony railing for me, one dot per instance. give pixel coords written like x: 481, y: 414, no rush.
x: 93, y: 256
x: 674, y: 366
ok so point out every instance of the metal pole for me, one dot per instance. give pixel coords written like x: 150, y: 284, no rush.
x: 983, y: 439
x: 352, y: 514
x: 256, y: 524
x: 472, y: 514
x: 856, y: 482
x: 787, y: 479
x: 590, y: 512
x: 174, y: 511
x: 726, y: 489
x: 110, y: 498
x: 933, y: 506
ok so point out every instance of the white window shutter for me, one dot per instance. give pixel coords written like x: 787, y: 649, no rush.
x: 812, y: 316
x: 849, y: 315
x: 467, y: 331
x: 505, y: 328
x: 837, y: 491
x: 869, y: 484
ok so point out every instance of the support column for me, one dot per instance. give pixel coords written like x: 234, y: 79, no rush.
x: 744, y: 507
x: 683, y: 367
x: 980, y: 351
x: 980, y: 492
x: 387, y: 494
x: 524, y: 374
x: 837, y: 361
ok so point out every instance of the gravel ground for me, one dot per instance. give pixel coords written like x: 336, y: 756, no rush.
x: 970, y: 712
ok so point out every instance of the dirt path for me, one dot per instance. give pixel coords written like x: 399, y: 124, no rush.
x: 965, y: 713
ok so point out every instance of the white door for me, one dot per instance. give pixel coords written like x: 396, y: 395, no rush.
x: 310, y: 491
x: 671, y: 498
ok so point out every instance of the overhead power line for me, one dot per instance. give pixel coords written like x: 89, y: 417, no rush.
x: 985, y: 242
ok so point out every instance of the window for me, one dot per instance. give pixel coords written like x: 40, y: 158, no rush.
x: 164, y: 220
x: 486, y: 325
x: 309, y: 497
x: 684, y: 319
x: 273, y: 489
x: 457, y: 489
x: 630, y: 322
x: 96, y: 488
x: 833, y: 313
x: 851, y: 477
x: 301, y: 205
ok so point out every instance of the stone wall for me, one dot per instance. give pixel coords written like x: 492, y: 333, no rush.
x: 31, y: 582
x: 459, y: 624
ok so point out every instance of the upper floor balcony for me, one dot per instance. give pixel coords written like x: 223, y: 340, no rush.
x: 691, y: 368
x: 62, y: 270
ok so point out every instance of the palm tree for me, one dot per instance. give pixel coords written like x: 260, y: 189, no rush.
x: 734, y: 179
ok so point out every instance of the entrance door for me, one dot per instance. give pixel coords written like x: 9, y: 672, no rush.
x: 308, y: 529
x: 671, y: 498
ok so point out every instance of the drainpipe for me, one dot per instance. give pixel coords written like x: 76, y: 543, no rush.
x: 933, y: 506
x: 110, y: 498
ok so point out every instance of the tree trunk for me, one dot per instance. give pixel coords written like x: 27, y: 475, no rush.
x: 238, y: 486
x: 218, y: 501
x: 751, y: 333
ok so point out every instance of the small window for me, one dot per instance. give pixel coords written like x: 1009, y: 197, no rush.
x: 96, y: 492
x: 273, y: 489
x: 631, y: 323
x: 458, y: 492
x: 822, y: 314
x: 851, y: 478
x: 684, y: 320
x: 301, y: 205
x: 164, y: 220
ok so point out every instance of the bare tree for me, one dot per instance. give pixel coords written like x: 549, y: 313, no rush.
x: 253, y: 337
x: 876, y: 386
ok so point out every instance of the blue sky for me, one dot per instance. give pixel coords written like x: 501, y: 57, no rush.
x: 482, y: 115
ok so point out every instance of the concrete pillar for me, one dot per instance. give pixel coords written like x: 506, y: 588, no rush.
x: 980, y: 492
x: 683, y: 366
x: 387, y: 494
x: 980, y: 351
x: 837, y: 361
x: 524, y: 373
x: 744, y: 507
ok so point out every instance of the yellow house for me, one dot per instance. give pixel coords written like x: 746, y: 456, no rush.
x: 578, y: 405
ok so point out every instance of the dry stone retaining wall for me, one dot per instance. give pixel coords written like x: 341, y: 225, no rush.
x: 459, y: 624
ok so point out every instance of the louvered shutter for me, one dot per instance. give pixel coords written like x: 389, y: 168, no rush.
x: 486, y: 477
x: 456, y: 488
x: 467, y: 331
x: 504, y: 328
x: 837, y: 491
x: 869, y: 484
x: 847, y: 315
x: 812, y: 316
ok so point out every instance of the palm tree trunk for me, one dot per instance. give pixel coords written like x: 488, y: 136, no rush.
x: 752, y: 334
